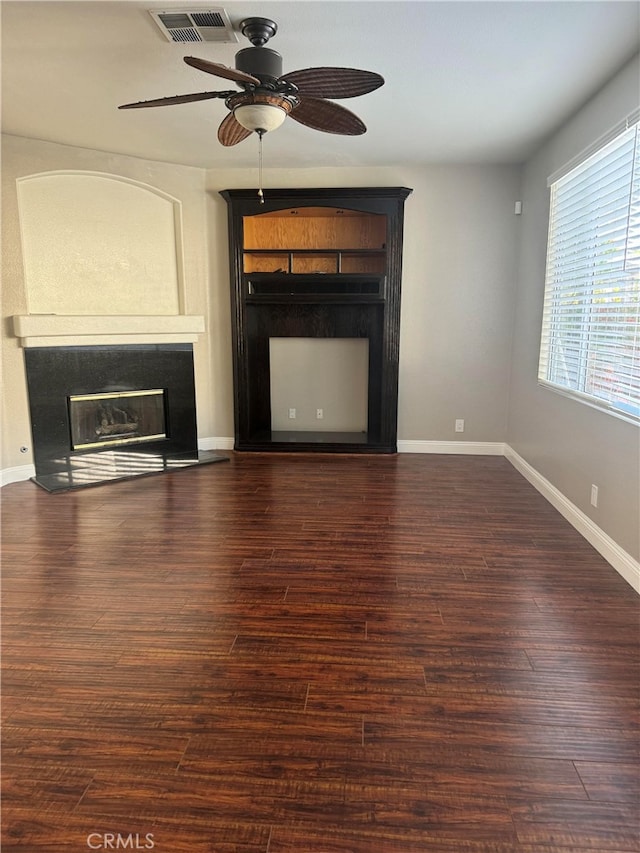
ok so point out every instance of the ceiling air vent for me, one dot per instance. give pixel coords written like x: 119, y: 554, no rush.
x: 197, y: 25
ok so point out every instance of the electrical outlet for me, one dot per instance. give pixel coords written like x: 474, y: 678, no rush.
x: 292, y: 413
x: 319, y: 414
x: 460, y: 425
x: 594, y: 495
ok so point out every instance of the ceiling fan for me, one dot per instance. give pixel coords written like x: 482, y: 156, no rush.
x: 269, y: 96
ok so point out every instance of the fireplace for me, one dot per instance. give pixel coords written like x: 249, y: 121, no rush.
x: 124, y: 417
x: 103, y: 413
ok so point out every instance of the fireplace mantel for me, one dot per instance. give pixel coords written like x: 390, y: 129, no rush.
x: 56, y: 330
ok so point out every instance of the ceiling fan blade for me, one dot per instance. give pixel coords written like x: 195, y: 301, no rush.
x: 231, y: 131
x: 176, y: 99
x: 326, y: 116
x: 221, y: 70
x: 334, y: 82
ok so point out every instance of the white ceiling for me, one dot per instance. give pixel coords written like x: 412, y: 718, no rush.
x: 472, y: 81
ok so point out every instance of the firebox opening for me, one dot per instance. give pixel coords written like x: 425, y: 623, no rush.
x: 110, y: 419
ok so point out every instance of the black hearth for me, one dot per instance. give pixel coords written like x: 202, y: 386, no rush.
x: 104, y: 413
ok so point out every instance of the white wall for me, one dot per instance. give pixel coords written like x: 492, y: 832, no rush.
x: 458, y: 299
x: 99, y: 244
x: 569, y: 443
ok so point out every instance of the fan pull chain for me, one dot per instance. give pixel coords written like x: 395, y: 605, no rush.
x: 260, y: 193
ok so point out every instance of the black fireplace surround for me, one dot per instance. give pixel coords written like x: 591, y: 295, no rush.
x: 55, y: 374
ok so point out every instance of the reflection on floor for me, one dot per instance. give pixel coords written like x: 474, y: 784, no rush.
x: 94, y: 469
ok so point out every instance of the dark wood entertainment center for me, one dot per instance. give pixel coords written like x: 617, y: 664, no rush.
x: 317, y: 263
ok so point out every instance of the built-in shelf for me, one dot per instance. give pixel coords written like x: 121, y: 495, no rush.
x: 323, y: 263
x: 315, y: 239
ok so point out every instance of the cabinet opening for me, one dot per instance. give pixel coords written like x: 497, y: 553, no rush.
x: 315, y: 228
x: 327, y: 374
x: 314, y: 262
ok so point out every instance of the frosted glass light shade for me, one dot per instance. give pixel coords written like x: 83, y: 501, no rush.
x: 260, y: 117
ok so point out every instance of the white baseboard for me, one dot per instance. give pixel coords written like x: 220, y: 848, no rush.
x: 471, y: 448
x: 17, y: 474
x: 621, y: 561
x: 216, y: 443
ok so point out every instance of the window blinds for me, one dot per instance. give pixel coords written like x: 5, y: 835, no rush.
x: 590, y: 345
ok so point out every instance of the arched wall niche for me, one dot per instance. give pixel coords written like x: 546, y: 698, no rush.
x: 100, y: 244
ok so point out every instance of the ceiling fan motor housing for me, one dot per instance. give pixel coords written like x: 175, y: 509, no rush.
x: 260, y: 62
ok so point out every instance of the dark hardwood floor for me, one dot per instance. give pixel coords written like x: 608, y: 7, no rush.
x: 315, y: 654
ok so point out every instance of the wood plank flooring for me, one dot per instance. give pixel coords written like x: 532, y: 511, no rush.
x: 299, y: 653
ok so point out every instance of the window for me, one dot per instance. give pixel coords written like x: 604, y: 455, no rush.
x: 590, y: 346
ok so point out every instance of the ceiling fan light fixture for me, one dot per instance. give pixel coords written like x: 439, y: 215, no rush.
x: 260, y: 112
x: 260, y: 118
